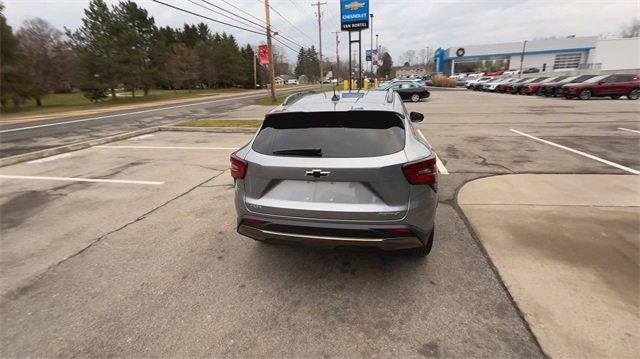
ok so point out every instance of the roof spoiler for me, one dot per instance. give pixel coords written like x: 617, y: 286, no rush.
x: 296, y: 96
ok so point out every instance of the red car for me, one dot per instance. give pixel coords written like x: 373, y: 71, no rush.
x: 502, y: 88
x: 613, y: 86
x: 532, y: 88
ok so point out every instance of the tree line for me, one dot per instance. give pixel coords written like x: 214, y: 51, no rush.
x: 117, y: 47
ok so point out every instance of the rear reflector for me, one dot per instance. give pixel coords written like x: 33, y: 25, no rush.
x: 256, y: 223
x: 401, y: 231
x: 421, y: 172
x: 238, y: 167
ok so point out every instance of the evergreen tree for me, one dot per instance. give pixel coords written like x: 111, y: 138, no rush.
x: 135, y: 44
x: 11, y: 71
x: 97, y: 44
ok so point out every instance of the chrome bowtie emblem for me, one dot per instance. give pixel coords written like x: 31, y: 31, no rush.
x: 317, y: 173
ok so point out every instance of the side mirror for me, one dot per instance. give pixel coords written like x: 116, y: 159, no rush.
x: 416, y: 117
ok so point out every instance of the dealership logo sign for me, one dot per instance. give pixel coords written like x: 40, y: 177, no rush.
x: 354, y: 15
x: 460, y: 52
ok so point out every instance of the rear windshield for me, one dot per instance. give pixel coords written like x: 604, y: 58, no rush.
x: 331, y: 134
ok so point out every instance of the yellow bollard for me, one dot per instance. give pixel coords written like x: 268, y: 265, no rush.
x: 366, y: 85
x: 345, y: 85
x: 375, y: 83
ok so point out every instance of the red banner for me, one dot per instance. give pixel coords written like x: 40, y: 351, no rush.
x: 263, y: 54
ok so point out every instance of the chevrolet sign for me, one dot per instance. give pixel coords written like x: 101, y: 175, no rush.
x: 354, y: 14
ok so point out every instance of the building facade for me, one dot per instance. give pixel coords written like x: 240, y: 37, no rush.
x: 577, y: 54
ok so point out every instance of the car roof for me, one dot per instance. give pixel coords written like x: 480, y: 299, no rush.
x: 349, y: 101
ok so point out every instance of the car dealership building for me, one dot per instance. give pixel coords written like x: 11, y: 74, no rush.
x: 580, y: 54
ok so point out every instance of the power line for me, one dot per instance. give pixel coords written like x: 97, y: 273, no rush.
x: 254, y: 24
x: 226, y: 16
x: 289, y: 22
x: 227, y: 11
x: 208, y: 18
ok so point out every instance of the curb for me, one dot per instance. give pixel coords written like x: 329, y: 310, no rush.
x: 73, y: 147
x: 121, y: 136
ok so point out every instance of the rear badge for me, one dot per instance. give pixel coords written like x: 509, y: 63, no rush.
x: 317, y: 173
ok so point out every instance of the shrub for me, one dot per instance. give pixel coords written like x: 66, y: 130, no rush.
x: 94, y: 94
x: 443, y: 81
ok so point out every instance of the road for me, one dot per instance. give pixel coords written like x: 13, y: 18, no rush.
x: 18, y: 138
x: 152, y: 266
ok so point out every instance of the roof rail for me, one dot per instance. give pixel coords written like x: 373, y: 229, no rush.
x: 296, y: 96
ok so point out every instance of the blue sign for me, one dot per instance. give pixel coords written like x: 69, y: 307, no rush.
x: 354, y: 14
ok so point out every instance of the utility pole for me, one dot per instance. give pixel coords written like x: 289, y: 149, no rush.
x: 318, y: 4
x: 371, y: 47
x: 272, y: 69
x: 255, y: 72
x: 337, y: 55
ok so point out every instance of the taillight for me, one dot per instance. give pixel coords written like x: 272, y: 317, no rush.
x: 238, y: 167
x: 421, y: 172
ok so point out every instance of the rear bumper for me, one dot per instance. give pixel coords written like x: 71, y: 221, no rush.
x: 332, y: 237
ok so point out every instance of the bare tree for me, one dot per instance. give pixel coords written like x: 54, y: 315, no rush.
x: 408, y: 56
x: 631, y: 30
x: 48, y: 60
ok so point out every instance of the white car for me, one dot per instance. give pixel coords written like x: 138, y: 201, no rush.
x: 493, y: 85
x: 292, y: 82
x: 470, y: 84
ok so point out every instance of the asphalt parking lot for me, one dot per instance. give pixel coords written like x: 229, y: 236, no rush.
x: 141, y: 258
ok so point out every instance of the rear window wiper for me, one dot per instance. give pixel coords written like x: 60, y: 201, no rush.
x: 310, y: 152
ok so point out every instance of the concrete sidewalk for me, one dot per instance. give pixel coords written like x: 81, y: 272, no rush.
x: 567, y: 249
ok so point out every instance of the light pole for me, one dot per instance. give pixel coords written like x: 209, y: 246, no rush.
x: 371, y: 47
x: 524, y: 47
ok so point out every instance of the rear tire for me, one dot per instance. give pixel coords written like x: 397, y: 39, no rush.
x: 584, y: 94
x: 415, y: 97
x: 634, y: 94
x: 425, y: 249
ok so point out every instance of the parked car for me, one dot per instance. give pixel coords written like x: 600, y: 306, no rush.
x: 292, y: 82
x: 551, y: 89
x: 517, y: 87
x: 493, y: 86
x: 472, y: 82
x: 531, y: 70
x: 493, y: 73
x: 504, y: 88
x: 533, y: 87
x: 410, y: 90
x: 347, y: 177
x: 613, y: 86
x: 478, y: 85
x: 511, y: 72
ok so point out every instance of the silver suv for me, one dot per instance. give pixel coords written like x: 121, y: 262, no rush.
x: 341, y: 170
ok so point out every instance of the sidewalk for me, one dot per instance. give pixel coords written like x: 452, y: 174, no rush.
x: 567, y: 249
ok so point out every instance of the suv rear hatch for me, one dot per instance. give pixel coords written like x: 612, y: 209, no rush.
x: 329, y: 165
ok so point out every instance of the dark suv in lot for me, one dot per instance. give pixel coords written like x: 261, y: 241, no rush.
x: 613, y: 86
x: 550, y: 89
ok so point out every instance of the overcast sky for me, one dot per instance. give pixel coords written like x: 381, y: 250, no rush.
x: 401, y: 24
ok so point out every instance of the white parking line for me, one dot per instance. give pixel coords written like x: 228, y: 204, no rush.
x: 74, y: 179
x: 626, y: 129
x: 167, y: 147
x: 616, y: 165
x: 441, y: 168
x: 51, y: 158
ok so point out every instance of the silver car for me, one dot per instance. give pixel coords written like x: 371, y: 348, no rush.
x: 341, y: 170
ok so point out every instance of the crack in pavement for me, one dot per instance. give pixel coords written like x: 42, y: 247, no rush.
x: 16, y: 293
